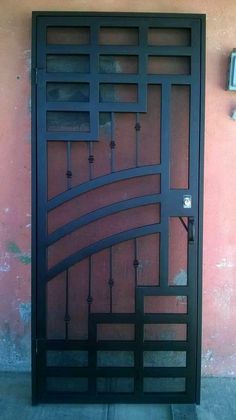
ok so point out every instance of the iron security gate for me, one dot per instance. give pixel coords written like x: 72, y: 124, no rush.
x: 117, y: 150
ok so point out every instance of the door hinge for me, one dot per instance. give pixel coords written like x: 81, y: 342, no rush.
x: 35, y: 76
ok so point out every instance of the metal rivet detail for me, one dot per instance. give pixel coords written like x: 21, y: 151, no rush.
x: 111, y: 282
x: 136, y: 263
x: 67, y: 318
x: 69, y: 174
x: 89, y: 299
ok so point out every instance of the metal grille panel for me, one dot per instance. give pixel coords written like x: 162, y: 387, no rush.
x: 116, y: 281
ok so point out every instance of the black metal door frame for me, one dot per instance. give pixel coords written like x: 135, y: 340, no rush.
x: 172, y: 202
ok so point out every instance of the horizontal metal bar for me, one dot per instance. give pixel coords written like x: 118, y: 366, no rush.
x: 172, y: 318
x: 118, y: 318
x: 122, y: 107
x: 164, y: 372
x: 119, y: 50
x: 68, y: 106
x: 78, y: 77
x: 165, y: 345
x: 114, y: 78
x: 117, y: 78
x: 116, y: 372
x: 120, y: 19
x: 163, y: 291
x: 75, y: 371
x: 63, y: 77
x: 78, y: 345
x: 71, y: 136
x: 100, y: 213
x: 103, y: 180
x: 175, y: 79
x: 114, y: 318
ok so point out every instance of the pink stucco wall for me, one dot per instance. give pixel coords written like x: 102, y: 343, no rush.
x: 219, y: 270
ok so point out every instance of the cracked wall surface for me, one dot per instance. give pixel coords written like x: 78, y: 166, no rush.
x: 219, y: 251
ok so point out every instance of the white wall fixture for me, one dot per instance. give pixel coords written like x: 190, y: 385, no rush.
x: 232, y: 71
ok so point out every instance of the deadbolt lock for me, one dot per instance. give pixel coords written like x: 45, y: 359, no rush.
x: 187, y: 201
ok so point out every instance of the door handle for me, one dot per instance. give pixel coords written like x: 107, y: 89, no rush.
x: 191, y: 229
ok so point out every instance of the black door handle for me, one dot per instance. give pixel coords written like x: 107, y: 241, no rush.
x: 191, y: 229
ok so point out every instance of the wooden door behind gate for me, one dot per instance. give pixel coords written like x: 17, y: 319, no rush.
x: 117, y: 125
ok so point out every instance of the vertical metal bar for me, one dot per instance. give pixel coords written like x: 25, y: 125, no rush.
x: 113, y: 142
x: 90, y: 159
x: 138, y: 354
x: 111, y: 280
x: 92, y: 331
x: 193, y: 356
x: 67, y: 316
x: 137, y: 147
x: 90, y: 298
x: 68, y: 158
x: 165, y: 181
x: 34, y: 219
x: 136, y: 264
x: 41, y: 220
x: 200, y: 203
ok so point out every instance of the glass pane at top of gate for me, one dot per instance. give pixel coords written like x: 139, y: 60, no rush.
x: 97, y: 198
x: 57, y: 384
x: 179, y: 136
x: 68, y: 63
x: 178, y: 255
x: 165, y: 304
x: 72, y: 92
x: 78, y: 35
x: 101, y: 229
x: 111, y: 92
x: 113, y: 332
x: 149, y: 143
x: 118, y: 36
x: 118, y: 64
x: 56, y: 167
x: 68, y: 121
x: 164, y: 358
x: 163, y: 384
x: 115, y: 358
x: 148, y: 256
x: 67, y: 358
x: 169, y: 36
x: 122, y: 385
x: 165, y: 332
x: 168, y: 65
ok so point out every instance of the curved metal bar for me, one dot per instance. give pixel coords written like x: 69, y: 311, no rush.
x: 100, y: 213
x: 101, y: 181
x: 100, y: 245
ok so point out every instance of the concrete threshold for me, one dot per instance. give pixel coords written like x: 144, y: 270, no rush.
x: 218, y: 402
